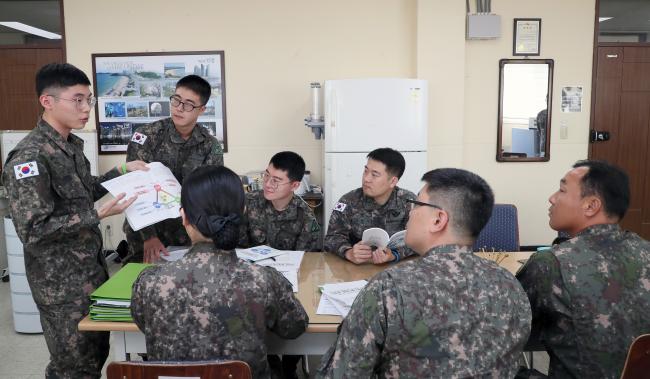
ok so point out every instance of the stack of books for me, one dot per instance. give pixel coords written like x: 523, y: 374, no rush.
x: 112, y: 300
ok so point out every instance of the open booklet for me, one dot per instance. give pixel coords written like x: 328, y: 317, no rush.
x: 159, y: 195
x: 379, y: 238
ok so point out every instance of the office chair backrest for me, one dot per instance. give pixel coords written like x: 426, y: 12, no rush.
x: 637, y: 364
x: 501, y: 233
x: 203, y: 370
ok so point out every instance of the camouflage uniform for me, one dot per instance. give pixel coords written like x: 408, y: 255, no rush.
x: 163, y: 144
x: 361, y: 212
x: 448, y: 314
x: 54, y: 216
x: 210, y: 304
x: 590, y: 298
x: 294, y: 228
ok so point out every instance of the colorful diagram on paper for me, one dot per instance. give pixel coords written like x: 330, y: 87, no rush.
x: 158, y: 196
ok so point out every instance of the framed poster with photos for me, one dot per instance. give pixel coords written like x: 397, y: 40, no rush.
x: 133, y: 89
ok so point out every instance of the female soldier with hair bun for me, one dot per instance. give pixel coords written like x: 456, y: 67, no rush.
x: 210, y: 304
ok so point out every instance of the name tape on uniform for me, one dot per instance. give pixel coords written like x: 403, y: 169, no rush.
x: 138, y: 138
x: 26, y: 170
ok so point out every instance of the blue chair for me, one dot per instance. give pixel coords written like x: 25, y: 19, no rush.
x: 501, y: 233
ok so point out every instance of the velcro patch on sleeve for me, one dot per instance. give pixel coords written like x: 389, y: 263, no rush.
x: 340, y: 207
x: 26, y: 170
x: 138, y: 138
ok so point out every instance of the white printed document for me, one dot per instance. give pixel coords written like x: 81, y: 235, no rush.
x: 159, y: 195
x: 287, y: 264
x: 258, y: 253
x: 337, y: 298
x: 175, y: 253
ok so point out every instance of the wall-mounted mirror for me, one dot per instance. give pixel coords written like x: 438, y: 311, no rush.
x: 525, y: 88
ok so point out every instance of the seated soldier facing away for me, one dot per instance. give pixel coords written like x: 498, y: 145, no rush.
x: 446, y: 314
x: 210, y: 304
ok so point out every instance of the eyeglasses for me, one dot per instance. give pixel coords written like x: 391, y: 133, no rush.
x: 90, y: 100
x: 415, y: 204
x: 275, y: 182
x: 187, y: 107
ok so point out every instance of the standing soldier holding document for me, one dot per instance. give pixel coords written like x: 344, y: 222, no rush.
x: 52, y: 195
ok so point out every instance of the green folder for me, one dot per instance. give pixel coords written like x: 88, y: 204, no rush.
x: 119, y: 286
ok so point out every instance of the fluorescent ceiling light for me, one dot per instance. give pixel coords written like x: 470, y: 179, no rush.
x: 601, y: 19
x: 30, y: 29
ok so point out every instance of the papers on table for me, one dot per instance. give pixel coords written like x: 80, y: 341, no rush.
x: 159, y: 195
x: 337, y: 298
x: 112, y: 300
x: 287, y: 262
x: 258, y: 253
x: 175, y: 253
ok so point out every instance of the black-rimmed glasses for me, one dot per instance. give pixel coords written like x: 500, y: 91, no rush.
x: 187, y: 107
x: 79, y: 101
x: 415, y: 204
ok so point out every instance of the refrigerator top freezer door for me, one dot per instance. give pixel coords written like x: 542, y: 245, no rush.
x: 364, y: 114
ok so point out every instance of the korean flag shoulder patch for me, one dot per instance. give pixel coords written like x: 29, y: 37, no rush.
x: 26, y: 170
x: 138, y: 138
x: 340, y: 207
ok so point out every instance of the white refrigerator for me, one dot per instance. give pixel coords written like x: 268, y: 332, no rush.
x: 365, y: 114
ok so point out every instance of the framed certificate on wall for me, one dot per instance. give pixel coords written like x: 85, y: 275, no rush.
x: 526, y: 38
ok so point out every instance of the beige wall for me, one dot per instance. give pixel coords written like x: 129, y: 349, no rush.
x: 274, y: 49
x: 464, y: 81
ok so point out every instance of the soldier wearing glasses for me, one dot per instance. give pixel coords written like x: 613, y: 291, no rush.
x: 52, y: 195
x: 274, y: 215
x: 179, y: 144
x: 448, y: 314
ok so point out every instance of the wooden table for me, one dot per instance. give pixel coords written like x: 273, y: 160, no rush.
x: 316, y: 269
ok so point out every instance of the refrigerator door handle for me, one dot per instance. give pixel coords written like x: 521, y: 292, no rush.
x: 334, y: 110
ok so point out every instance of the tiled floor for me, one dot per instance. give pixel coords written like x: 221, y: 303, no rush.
x: 24, y: 356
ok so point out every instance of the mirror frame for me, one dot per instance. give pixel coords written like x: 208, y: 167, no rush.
x: 549, y: 102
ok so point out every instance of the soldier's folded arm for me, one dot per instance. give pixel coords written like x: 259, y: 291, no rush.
x: 336, y: 241
x: 309, y: 235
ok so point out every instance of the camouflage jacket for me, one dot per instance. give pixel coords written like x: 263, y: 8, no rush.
x: 163, y: 144
x: 294, y: 228
x: 590, y: 298
x: 52, y: 207
x: 210, y: 304
x: 448, y: 314
x: 356, y: 212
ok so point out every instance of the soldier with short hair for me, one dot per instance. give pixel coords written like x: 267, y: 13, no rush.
x: 211, y: 304
x: 379, y: 203
x: 447, y: 314
x: 274, y: 216
x: 179, y: 144
x: 52, y: 195
x: 589, y: 295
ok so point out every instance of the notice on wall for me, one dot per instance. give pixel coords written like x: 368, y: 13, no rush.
x: 571, y: 99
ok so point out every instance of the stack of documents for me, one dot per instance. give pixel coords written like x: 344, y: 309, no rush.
x: 337, y: 298
x: 112, y: 300
x: 287, y: 262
